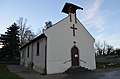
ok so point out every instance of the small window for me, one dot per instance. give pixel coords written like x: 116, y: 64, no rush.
x: 28, y: 52
x: 37, y: 49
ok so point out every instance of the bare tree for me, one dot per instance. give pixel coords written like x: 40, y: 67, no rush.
x: 117, y: 51
x: 25, y: 33
x: 39, y: 31
x: 98, y: 48
x: 109, y: 49
x: 104, y: 49
x: 29, y: 35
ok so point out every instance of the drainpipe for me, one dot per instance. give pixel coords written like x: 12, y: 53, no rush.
x: 32, y: 57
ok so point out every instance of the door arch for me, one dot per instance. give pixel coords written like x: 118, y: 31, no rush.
x: 74, y: 56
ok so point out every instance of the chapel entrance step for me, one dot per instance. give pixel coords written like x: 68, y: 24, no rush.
x: 76, y: 69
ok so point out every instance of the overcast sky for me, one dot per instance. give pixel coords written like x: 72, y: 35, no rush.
x: 100, y: 17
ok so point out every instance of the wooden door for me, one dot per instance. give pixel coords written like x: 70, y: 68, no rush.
x: 75, y: 56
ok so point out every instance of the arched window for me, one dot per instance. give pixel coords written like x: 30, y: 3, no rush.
x: 37, y: 54
x: 28, y: 52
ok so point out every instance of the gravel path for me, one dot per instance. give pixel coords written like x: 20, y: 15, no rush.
x: 30, y: 74
x: 108, y: 73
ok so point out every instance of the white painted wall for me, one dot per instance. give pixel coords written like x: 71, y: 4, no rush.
x: 60, y: 41
x: 86, y: 44
x: 39, y: 61
x: 26, y: 60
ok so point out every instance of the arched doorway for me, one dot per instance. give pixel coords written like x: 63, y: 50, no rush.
x: 75, y: 56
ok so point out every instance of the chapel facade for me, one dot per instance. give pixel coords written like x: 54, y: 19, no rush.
x: 63, y: 45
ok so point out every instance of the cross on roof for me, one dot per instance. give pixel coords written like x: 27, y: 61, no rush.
x: 73, y: 29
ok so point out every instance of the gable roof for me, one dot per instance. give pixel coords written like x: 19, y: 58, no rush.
x: 35, y: 39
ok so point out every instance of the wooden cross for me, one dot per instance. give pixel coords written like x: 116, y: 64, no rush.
x: 73, y: 29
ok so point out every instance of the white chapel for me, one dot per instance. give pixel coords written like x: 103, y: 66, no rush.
x: 63, y: 45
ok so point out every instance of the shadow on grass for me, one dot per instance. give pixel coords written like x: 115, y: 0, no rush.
x: 5, y: 74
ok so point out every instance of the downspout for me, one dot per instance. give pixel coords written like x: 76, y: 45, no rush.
x: 45, y: 55
x: 32, y: 64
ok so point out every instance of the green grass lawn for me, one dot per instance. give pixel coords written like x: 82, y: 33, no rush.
x: 5, y: 74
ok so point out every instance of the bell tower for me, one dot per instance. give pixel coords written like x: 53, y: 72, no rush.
x: 70, y: 9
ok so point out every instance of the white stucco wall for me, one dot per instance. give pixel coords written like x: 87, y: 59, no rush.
x: 26, y: 60
x: 86, y: 44
x: 39, y: 61
x: 60, y: 41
